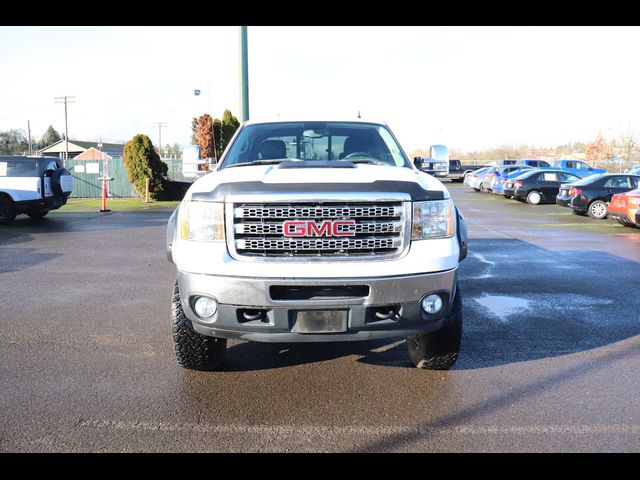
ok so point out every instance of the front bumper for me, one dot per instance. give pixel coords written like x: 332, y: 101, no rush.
x: 236, y: 295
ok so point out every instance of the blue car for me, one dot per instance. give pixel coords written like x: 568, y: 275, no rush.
x: 503, y: 174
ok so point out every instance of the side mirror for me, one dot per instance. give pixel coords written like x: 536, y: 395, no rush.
x: 439, y: 152
x: 417, y: 161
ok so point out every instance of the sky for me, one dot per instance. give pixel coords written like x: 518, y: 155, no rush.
x: 469, y: 88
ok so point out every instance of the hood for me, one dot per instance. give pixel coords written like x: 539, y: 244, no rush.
x: 269, y: 179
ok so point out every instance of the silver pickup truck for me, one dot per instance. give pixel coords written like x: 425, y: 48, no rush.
x: 312, y: 231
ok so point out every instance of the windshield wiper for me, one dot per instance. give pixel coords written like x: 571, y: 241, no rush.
x: 272, y: 161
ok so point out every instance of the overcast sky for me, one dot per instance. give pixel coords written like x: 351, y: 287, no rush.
x: 467, y: 87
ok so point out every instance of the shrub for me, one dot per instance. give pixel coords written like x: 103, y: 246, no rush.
x: 142, y: 161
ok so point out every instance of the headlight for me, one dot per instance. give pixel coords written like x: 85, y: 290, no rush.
x: 433, y: 219
x: 202, y: 221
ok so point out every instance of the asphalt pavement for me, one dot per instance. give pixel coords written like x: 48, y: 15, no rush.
x: 549, y: 358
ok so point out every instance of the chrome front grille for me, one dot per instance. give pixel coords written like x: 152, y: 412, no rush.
x: 314, y: 211
x: 257, y: 230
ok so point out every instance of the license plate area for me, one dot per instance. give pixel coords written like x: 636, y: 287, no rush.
x: 320, y: 321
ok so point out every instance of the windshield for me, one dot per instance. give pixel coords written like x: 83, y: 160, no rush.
x: 315, y: 141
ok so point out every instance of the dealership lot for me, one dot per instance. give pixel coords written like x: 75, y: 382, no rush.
x: 549, y: 356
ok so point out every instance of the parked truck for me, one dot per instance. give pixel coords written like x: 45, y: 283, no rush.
x: 341, y: 240
x: 436, y: 164
x: 458, y: 171
x: 577, y: 167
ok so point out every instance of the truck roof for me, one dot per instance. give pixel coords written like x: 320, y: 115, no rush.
x: 311, y: 119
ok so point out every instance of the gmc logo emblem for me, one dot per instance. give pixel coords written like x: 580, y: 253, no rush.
x: 327, y: 228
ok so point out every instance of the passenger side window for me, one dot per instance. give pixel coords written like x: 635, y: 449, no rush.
x: 617, y: 182
x: 20, y: 169
x: 550, y: 177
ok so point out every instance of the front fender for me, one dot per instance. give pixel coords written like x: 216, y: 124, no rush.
x: 461, y: 232
x: 171, y: 232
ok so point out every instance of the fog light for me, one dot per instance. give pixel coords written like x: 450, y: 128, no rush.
x: 205, y: 307
x: 432, y: 304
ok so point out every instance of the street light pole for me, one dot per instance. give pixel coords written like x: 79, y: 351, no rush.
x: 244, y: 75
x: 65, y: 99
x: 160, y: 125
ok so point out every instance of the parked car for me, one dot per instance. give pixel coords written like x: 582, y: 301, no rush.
x: 533, y: 163
x: 474, y: 179
x: 634, y: 170
x: 538, y: 186
x: 32, y: 185
x: 625, y: 208
x: 501, y: 175
x: 592, y: 194
x: 487, y: 179
x: 577, y: 167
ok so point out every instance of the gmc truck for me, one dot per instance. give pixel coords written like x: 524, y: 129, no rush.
x: 316, y: 232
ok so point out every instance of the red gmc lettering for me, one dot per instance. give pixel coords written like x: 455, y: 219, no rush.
x: 309, y: 228
x: 324, y: 230
x: 343, y: 233
x: 295, y: 229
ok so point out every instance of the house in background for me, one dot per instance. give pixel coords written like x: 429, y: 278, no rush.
x: 78, y: 147
x: 92, y: 154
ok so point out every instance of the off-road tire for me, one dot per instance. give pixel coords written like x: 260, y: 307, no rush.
x: 194, y: 351
x: 439, y: 350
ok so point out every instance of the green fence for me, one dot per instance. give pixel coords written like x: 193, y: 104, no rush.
x: 87, y: 173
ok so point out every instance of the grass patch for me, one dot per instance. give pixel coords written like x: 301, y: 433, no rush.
x: 76, y: 205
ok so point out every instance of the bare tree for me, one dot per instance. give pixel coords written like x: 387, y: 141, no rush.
x: 629, y: 144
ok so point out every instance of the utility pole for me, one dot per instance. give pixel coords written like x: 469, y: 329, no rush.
x: 244, y: 76
x: 29, y: 130
x: 66, y: 99
x: 160, y: 125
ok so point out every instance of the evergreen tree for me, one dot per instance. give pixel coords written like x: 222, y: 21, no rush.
x: 142, y: 161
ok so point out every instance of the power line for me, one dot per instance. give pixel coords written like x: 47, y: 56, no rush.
x: 160, y: 125
x: 65, y: 99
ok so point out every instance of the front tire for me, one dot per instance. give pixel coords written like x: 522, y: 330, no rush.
x: 534, y: 198
x: 194, y: 351
x: 439, y: 350
x: 597, y: 210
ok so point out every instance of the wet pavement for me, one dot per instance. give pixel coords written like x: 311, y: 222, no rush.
x: 549, y: 358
